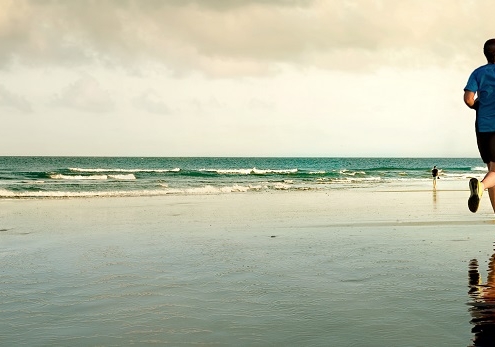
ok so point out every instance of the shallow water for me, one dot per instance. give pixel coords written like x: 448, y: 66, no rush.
x: 150, y: 275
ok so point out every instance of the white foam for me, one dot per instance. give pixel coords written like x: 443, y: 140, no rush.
x: 78, y: 177
x: 363, y: 179
x: 372, y: 178
x: 229, y: 171
x: 283, y: 171
x: 327, y: 180
x: 479, y: 168
x: 351, y: 173
x: 249, y: 171
x: 456, y: 176
x: 6, y: 193
x: 281, y: 186
x: 76, y: 169
x: 64, y: 194
x: 208, y: 189
x: 257, y: 187
x: 123, y: 177
x: 238, y: 188
x: 164, y: 190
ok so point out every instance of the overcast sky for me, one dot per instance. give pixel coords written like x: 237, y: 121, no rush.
x: 239, y: 77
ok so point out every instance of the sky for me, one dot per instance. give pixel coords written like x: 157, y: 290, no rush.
x: 324, y: 78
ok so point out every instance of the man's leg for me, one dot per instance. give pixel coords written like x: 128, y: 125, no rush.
x: 476, y: 187
x: 489, y: 183
x: 491, y: 194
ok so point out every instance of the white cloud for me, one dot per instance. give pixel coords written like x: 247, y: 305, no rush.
x: 13, y: 101
x: 86, y: 94
x: 151, y: 102
x: 232, y: 38
x: 261, y: 104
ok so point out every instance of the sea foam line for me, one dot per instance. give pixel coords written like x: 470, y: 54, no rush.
x: 250, y: 171
x: 76, y: 169
x: 93, y: 177
x: 351, y: 173
x: 205, y: 190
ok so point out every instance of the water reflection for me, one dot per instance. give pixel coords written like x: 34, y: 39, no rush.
x: 483, y: 303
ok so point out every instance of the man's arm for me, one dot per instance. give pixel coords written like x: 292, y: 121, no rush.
x: 469, y: 99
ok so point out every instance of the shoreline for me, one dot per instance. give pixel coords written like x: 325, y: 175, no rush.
x: 397, y: 200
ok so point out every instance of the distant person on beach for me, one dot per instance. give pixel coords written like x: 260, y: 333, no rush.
x: 434, y: 173
x: 479, y: 95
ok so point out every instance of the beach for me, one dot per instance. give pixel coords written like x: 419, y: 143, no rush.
x: 246, y: 173
x: 345, y: 267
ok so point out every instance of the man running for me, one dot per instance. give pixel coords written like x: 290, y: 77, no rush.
x: 481, y: 83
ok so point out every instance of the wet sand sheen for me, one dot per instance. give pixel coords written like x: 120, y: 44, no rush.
x: 350, y: 267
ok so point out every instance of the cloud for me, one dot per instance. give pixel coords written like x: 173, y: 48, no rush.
x: 261, y: 104
x: 241, y: 37
x: 86, y: 94
x: 13, y: 101
x: 151, y: 102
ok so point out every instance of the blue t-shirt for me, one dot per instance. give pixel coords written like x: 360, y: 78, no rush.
x: 482, y: 82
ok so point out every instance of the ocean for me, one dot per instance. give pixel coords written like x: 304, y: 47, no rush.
x: 61, y: 177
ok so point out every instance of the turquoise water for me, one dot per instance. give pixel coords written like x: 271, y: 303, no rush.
x: 45, y: 177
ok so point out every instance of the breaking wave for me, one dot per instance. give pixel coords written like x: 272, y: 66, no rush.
x: 253, y: 171
x: 92, y: 177
x: 124, y: 170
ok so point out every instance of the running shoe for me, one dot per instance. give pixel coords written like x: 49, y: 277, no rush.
x: 476, y: 193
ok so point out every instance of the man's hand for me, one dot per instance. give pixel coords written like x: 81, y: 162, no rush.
x: 469, y: 100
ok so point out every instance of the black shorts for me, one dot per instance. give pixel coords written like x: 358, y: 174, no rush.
x: 486, y: 146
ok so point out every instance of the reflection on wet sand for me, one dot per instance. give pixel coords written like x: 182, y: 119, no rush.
x: 483, y: 304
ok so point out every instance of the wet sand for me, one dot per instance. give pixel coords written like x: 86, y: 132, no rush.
x: 362, y: 267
